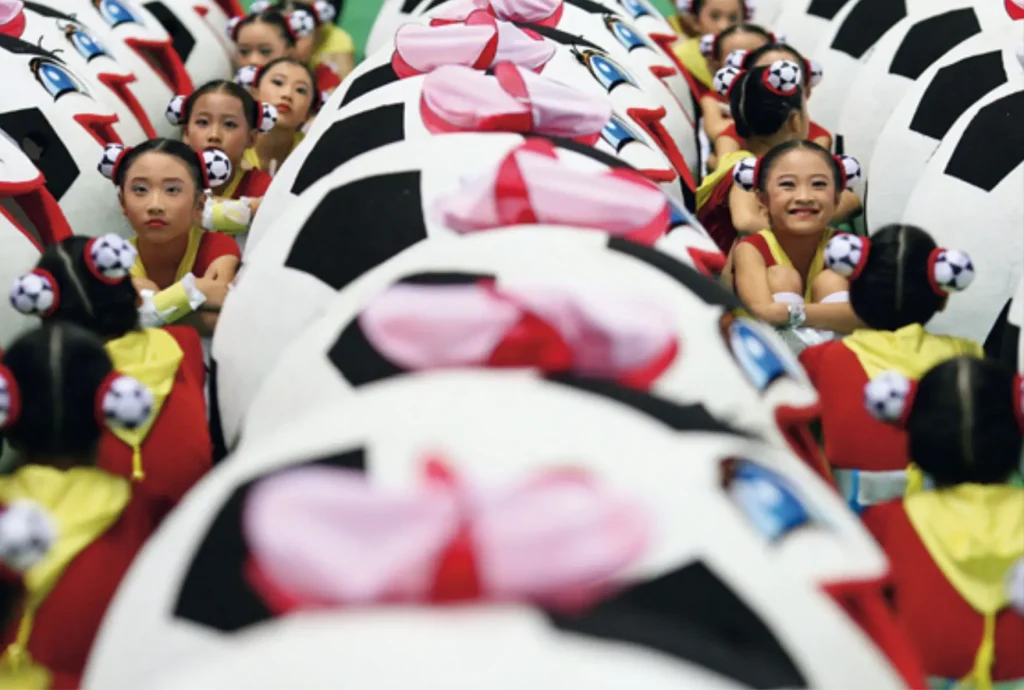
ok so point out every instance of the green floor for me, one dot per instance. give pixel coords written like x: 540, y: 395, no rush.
x: 358, y: 17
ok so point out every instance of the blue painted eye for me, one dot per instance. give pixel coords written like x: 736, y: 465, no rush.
x: 56, y: 79
x: 607, y: 72
x: 629, y: 39
x: 84, y: 42
x: 635, y: 8
x: 617, y: 134
x: 758, y: 358
x: 767, y: 501
x: 115, y: 13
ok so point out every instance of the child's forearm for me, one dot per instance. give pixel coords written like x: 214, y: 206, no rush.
x: 230, y: 216
x: 169, y: 305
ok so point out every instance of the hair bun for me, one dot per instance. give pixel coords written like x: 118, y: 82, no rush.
x: 217, y: 166
x: 175, y: 110
x: 110, y: 257
x: 325, y: 11
x: 35, y: 293
x: 302, y: 22
x: 851, y: 170
x: 744, y: 173
x: 707, y: 44
x: 951, y: 270
x: 888, y: 396
x: 846, y: 255
x: 725, y: 78
x: 232, y: 26
x: 246, y: 75
x: 26, y: 534
x: 736, y: 58
x: 126, y: 403
x: 268, y: 117
x: 783, y: 77
x: 109, y: 158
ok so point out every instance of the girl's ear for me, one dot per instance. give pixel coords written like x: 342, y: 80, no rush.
x: 197, y: 210
x: 120, y: 200
x: 797, y: 124
x: 252, y: 137
x: 762, y: 202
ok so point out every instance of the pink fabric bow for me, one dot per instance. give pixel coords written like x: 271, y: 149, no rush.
x: 321, y: 537
x: 532, y: 185
x: 457, y: 98
x: 553, y: 328
x: 541, y: 12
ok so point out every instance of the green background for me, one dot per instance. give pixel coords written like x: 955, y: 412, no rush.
x: 358, y: 16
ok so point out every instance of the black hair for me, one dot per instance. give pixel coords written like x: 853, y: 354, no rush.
x: 250, y: 107
x: 58, y: 369
x: 272, y: 16
x: 315, y: 96
x: 107, y: 310
x: 697, y: 5
x: 751, y: 58
x: 893, y: 289
x: 183, y: 152
x: 769, y: 159
x: 741, y: 28
x: 962, y: 426
x: 757, y: 110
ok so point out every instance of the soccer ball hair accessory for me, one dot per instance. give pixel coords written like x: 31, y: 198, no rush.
x: 175, y: 110
x: 707, y: 44
x: 216, y: 167
x: 782, y: 77
x: 10, y: 398
x: 889, y: 397
x: 260, y: 6
x: 111, y: 157
x: 724, y: 79
x: 324, y: 11
x: 123, y: 402
x: 847, y: 254
x: 745, y: 173
x: 736, y: 58
x: 246, y: 76
x: 816, y: 71
x: 35, y: 293
x: 231, y: 27
x: 850, y: 169
x: 302, y: 22
x: 949, y: 270
x: 27, y: 533
x: 267, y: 117
x: 109, y: 258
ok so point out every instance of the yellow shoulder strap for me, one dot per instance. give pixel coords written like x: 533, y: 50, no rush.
x: 725, y: 165
x: 188, y: 261
x: 688, y: 52
x: 782, y: 259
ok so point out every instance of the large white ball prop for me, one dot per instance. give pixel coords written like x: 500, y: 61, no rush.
x: 744, y: 545
x: 64, y: 137
x: 730, y: 364
x: 903, y: 55
x: 138, y: 41
x: 25, y: 202
x: 392, y: 113
x: 969, y: 198
x: 931, y: 106
x: 82, y: 51
x: 804, y: 22
x: 199, y: 43
x: 510, y: 647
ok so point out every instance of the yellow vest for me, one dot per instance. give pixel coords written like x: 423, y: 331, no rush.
x: 974, y: 533
x: 725, y: 166
x: 693, y: 60
x: 83, y: 502
x: 188, y: 261
x: 333, y: 40
x: 782, y: 259
x: 152, y: 356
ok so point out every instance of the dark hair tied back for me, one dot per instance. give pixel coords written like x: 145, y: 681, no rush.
x: 762, y: 99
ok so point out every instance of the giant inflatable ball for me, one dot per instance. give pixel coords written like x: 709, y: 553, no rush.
x: 198, y: 39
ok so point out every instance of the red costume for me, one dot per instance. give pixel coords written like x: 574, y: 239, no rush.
x: 100, y: 528
x: 251, y: 183
x: 165, y: 458
x: 326, y: 78
x: 202, y: 250
x: 713, y: 201
x: 950, y: 551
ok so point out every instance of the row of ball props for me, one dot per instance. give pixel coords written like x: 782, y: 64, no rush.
x: 733, y: 534
x: 926, y: 95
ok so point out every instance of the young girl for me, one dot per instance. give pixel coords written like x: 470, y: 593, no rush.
x: 898, y: 280
x: 780, y: 272
x: 224, y: 115
x: 729, y: 141
x: 59, y: 388
x: 87, y: 283
x: 735, y: 40
x: 261, y: 36
x: 767, y: 111
x: 702, y: 18
x: 955, y: 551
x: 180, y: 268
x: 292, y: 88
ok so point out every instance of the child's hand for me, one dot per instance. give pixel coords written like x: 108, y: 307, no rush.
x: 215, y: 290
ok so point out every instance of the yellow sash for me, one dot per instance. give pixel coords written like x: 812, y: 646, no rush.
x: 911, y: 350
x: 152, y: 356
x: 333, y: 40
x: 725, y: 166
x: 250, y: 157
x: 975, y: 534
x: 188, y: 261
x: 782, y: 259
x: 83, y: 502
x: 693, y: 60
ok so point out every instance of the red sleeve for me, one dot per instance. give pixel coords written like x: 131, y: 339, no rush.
x: 192, y: 347
x: 811, y: 360
x: 326, y: 78
x: 817, y: 131
x: 253, y: 185
x: 730, y: 132
x: 213, y: 246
